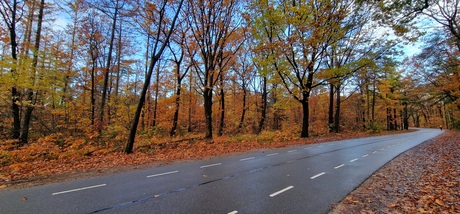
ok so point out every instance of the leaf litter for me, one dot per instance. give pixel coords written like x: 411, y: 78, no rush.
x: 424, y: 179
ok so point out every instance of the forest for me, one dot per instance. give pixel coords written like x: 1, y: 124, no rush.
x: 87, y: 77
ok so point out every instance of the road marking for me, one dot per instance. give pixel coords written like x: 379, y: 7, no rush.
x: 307, y: 148
x: 313, y: 177
x: 281, y: 191
x: 365, y: 155
x: 245, y: 159
x: 382, y: 149
x: 79, y: 189
x: 210, y: 165
x: 374, y: 152
x: 292, y: 151
x: 354, y: 160
x: 320, y: 146
x: 233, y: 212
x: 272, y: 154
x: 166, y: 173
x: 339, y: 166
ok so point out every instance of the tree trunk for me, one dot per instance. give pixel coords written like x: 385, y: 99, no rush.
x: 11, y: 24
x: 107, y: 70
x: 395, y: 119
x: 243, y: 113
x: 331, y: 108
x: 189, y: 128
x: 117, y: 80
x: 207, y: 96
x: 374, y: 93
x: 93, y: 88
x: 176, y: 110
x: 305, y: 118
x: 264, y: 105
x: 406, y: 117
x: 222, y: 107
x: 24, y: 137
x: 337, y: 110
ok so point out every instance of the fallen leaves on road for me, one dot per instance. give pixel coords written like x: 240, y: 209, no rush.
x: 423, y: 180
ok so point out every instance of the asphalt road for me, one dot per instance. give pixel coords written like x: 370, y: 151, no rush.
x: 302, y: 179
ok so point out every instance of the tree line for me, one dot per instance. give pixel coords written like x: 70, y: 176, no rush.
x: 119, y: 70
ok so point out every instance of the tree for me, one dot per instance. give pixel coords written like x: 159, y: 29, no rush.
x: 104, y: 6
x: 24, y: 137
x: 11, y: 14
x: 162, y: 34
x: 307, y: 29
x: 212, y: 24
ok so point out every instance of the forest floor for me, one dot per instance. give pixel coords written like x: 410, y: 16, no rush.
x: 424, y: 179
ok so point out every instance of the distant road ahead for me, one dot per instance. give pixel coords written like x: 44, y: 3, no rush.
x: 303, y: 179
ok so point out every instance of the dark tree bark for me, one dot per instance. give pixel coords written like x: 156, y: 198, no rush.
x: 207, y: 96
x: 222, y: 107
x: 337, y: 110
x: 264, y: 105
x: 331, y: 108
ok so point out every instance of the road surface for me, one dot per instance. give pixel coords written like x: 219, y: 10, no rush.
x: 302, y: 179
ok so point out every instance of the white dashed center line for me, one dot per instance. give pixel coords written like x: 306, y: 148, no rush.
x: 233, y: 212
x: 245, y: 159
x: 281, y: 191
x: 166, y: 173
x: 210, y: 165
x: 365, y: 155
x: 292, y: 151
x: 353, y: 160
x: 374, y: 152
x: 272, y: 154
x: 79, y: 189
x: 313, y: 177
x: 341, y: 165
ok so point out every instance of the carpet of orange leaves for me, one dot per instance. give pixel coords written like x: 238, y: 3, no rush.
x: 426, y: 179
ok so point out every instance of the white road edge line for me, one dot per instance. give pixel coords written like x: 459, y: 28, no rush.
x: 313, y: 177
x: 353, y: 160
x: 365, y: 155
x: 233, y: 212
x: 272, y: 154
x: 281, y: 191
x: 245, y: 159
x: 210, y: 165
x: 79, y: 189
x: 307, y: 148
x: 292, y: 151
x: 166, y: 173
x: 341, y: 165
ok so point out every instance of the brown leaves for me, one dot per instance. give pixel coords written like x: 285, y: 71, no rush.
x: 422, y: 180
